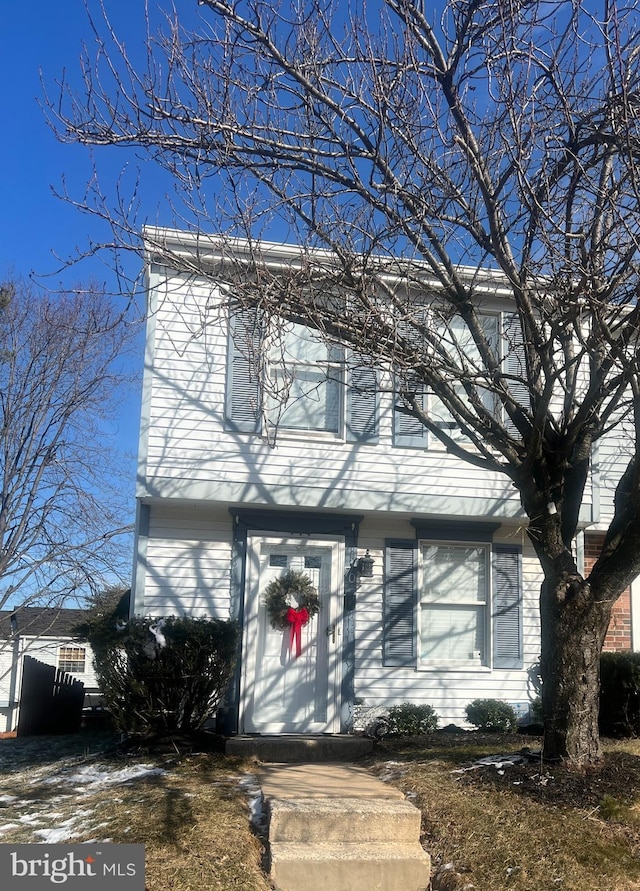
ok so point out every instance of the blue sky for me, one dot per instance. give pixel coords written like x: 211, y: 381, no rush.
x: 35, y: 226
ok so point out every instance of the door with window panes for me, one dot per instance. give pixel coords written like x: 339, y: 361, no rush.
x: 284, y: 692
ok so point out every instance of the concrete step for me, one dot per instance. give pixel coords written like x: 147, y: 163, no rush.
x: 286, y: 749
x: 350, y: 867
x: 322, y: 780
x: 338, y: 827
x: 328, y: 820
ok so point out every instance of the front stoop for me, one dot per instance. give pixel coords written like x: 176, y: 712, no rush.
x: 287, y: 749
x: 350, y: 833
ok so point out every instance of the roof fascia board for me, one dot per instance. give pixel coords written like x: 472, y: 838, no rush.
x: 169, y: 246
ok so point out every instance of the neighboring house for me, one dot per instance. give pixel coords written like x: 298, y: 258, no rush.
x: 447, y: 613
x: 46, y: 634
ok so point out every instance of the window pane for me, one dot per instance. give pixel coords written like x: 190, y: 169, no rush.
x: 314, y: 399
x: 452, y: 634
x: 300, y: 344
x: 306, y: 385
x: 71, y: 659
x: 465, y: 352
x: 454, y: 573
x: 312, y: 562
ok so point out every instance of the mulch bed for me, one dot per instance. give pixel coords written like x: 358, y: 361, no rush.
x: 618, y: 776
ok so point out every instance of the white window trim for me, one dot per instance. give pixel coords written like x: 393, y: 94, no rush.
x: 67, y: 659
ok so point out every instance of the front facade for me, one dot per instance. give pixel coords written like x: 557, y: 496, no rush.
x: 239, y: 483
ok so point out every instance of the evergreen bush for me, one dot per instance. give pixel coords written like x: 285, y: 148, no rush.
x: 410, y: 719
x: 620, y: 694
x: 492, y: 716
x: 166, y: 676
x: 535, y: 711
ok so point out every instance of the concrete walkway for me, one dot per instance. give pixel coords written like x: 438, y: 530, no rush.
x: 335, y: 826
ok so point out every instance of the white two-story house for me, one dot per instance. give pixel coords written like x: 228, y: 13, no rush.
x: 237, y: 485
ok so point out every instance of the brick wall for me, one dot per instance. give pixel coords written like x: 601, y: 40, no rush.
x: 619, y: 633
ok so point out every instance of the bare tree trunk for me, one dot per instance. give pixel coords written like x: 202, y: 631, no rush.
x: 574, y: 625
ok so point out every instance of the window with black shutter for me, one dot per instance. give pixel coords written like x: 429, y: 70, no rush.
x: 452, y: 603
x: 295, y: 381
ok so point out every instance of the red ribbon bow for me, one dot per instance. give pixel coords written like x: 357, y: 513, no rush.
x: 296, y: 618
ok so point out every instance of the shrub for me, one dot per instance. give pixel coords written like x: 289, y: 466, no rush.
x: 620, y: 694
x: 492, y: 715
x: 409, y: 719
x: 164, y: 676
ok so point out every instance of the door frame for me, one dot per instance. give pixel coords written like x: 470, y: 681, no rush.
x: 336, y: 546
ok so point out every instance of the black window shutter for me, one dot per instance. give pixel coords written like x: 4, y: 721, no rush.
x: 399, y: 632
x: 515, y: 365
x: 362, y: 403
x: 507, y: 607
x: 243, y: 377
x: 408, y: 431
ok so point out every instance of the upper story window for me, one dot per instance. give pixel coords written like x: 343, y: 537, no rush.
x: 72, y: 659
x: 457, y: 341
x: 292, y: 380
x: 305, y: 382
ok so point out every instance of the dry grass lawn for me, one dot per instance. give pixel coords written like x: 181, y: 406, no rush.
x: 528, y: 827
x: 193, y: 818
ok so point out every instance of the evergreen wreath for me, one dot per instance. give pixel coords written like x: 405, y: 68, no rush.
x: 291, y: 589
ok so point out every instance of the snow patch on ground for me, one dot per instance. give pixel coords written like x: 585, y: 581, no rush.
x: 393, y: 770
x: 251, y: 788
x: 86, y: 779
x: 64, y: 832
x: 499, y: 762
x: 94, y: 776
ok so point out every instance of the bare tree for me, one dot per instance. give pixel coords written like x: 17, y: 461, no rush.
x: 63, y: 530
x: 504, y: 136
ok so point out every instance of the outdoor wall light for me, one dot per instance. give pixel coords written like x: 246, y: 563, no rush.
x: 361, y: 568
x: 364, y: 566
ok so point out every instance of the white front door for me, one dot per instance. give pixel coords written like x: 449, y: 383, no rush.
x: 283, y: 692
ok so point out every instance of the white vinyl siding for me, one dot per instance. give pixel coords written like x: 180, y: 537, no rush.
x: 188, y: 452
x: 188, y: 562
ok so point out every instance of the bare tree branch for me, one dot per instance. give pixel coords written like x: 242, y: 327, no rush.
x: 61, y: 375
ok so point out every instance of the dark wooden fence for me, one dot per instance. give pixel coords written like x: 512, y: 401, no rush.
x: 50, y: 701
